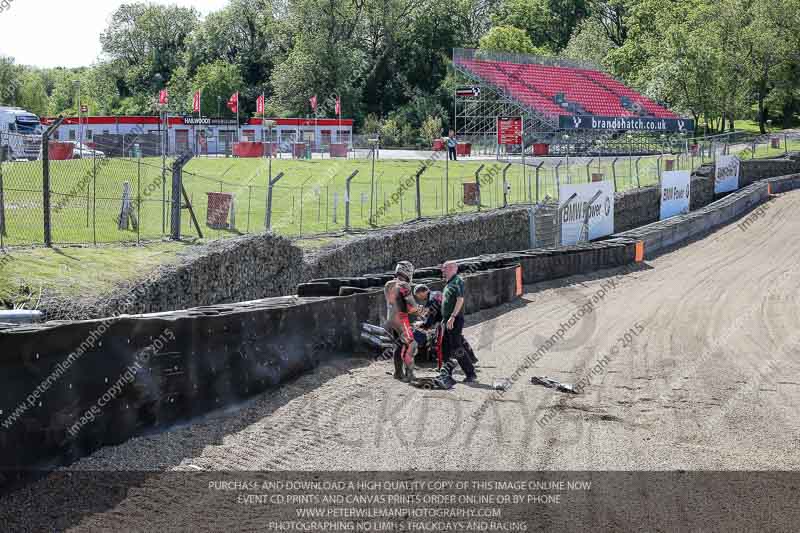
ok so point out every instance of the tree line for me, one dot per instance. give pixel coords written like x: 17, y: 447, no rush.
x: 389, y: 60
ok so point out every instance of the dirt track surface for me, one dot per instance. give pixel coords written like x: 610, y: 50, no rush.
x: 709, y: 381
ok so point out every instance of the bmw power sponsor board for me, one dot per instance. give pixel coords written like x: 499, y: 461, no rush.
x: 675, y: 191
x: 586, y: 211
x: 726, y: 176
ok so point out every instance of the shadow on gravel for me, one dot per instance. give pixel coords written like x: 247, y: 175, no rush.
x: 61, y: 499
x: 56, y: 500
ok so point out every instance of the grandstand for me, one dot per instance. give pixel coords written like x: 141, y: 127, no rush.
x: 554, y: 96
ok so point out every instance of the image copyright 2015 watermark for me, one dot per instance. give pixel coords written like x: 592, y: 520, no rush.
x: 125, y: 378
x: 5, y: 5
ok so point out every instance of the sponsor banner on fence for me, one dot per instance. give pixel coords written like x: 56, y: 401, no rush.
x: 593, y: 122
x: 675, y: 191
x: 726, y: 177
x: 586, y: 211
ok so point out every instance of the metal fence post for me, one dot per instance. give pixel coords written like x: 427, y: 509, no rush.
x: 478, y: 184
x: 268, y: 221
x: 177, y: 183
x: 139, y: 199
x: 785, y: 143
x: 539, y: 166
x: 48, y: 235
x: 588, y: 172
x: 2, y: 200
x: 558, y: 178
x: 505, y: 185
x: 658, y: 167
x: 301, y: 210
x: 249, y: 205
x: 347, y: 201
x: 638, y: 183
x: 94, y: 200
x: 419, y: 192
x: 614, y: 172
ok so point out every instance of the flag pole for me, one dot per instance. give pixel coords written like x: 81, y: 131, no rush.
x: 263, y: 113
x: 316, y: 141
x: 237, y: 117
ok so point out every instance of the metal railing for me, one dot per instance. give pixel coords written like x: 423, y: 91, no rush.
x: 99, y: 199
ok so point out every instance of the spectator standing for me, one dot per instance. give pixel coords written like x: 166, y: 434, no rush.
x: 451, y: 146
x: 453, y: 324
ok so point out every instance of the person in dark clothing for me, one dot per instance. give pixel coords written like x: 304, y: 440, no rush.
x: 451, y: 146
x: 453, y: 324
x: 427, y: 331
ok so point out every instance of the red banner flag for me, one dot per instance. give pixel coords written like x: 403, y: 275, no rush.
x: 196, y: 102
x: 233, y: 103
x: 163, y: 97
x: 338, y: 105
x: 260, y: 104
x: 313, y: 101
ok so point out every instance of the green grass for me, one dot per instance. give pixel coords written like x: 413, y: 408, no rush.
x: 750, y: 126
x: 308, y: 200
x: 766, y: 150
x: 85, y: 208
x: 25, y: 273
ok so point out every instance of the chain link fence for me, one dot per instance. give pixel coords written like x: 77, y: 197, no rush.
x: 95, y: 198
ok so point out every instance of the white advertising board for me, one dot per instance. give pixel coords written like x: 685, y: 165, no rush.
x: 726, y: 178
x: 586, y: 211
x: 675, y: 191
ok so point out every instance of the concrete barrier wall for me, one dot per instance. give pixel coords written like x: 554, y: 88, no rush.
x: 662, y: 235
x: 639, y: 207
x: 167, y: 367
x: 108, y: 380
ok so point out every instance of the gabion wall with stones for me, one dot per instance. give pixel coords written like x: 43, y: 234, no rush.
x: 424, y: 243
x: 224, y: 271
x: 265, y: 265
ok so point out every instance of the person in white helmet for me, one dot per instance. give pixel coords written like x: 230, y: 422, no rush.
x: 400, y: 303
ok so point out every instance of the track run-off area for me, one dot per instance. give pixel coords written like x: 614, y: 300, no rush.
x: 689, y: 361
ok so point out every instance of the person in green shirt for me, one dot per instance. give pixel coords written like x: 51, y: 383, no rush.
x: 453, y: 324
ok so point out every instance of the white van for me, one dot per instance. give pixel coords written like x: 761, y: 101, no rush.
x: 20, y: 134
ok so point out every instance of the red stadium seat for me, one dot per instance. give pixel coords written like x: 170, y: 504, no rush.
x: 537, y: 86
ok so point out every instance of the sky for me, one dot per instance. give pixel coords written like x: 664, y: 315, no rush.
x: 62, y: 33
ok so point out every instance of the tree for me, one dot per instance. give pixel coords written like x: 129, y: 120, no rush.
x: 390, y: 132
x: 589, y: 42
x: 217, y: 81
x: 245, y: 33
x: 431, y: 129
x: 32, y: 95
x: 372, y: 125
x: 147, y: 42
x: 9, y: 81
x: 548, y: 23
x: 180, y: 91
x: 509, y: 39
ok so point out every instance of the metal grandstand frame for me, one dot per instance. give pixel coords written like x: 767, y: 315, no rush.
x: 475, y: 117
